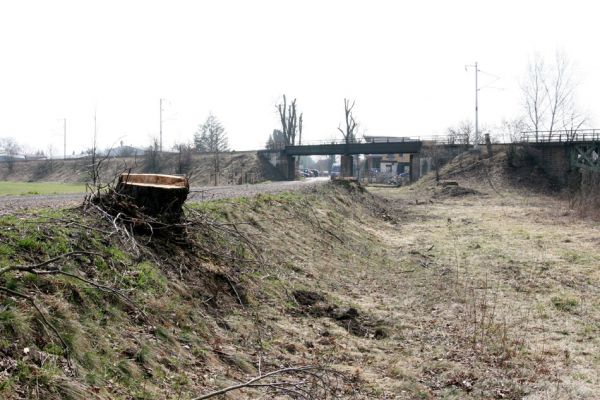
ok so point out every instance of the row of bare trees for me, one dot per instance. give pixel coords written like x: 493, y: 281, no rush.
x: 549, y: 97
x: 291, y: 125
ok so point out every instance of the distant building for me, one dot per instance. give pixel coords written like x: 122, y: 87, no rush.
x: 124, y: 151
x: 388, y: 163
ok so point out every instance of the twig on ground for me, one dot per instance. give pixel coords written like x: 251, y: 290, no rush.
x: 314, y: 385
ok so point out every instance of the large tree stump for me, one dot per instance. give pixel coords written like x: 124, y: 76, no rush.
x: 158, y: 196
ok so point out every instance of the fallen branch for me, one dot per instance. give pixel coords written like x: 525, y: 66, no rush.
x: 34, y: 267
x: 307, y: 388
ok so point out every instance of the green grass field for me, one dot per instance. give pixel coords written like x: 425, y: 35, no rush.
x: 31, y: 188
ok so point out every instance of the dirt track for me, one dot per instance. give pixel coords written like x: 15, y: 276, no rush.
x: 12, y: 204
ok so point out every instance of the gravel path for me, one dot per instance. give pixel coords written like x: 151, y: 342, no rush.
x: 17, y: 204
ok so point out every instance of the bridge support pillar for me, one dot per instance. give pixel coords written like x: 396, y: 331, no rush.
x: 414, y: 168
x: 286, y: 165
x: 289, y: 167
x: 347, y: 165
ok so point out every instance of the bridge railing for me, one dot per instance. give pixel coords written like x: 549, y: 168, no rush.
x: 561, y: 136
x: 358, y: 140
x: 279, y: 146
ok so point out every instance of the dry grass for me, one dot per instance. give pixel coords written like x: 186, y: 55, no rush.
x: 508, y: 295
x: 491, y: 295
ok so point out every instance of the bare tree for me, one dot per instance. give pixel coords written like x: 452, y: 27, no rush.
x: 300, y: 118
x: 152, y: 160
x: 434, y: 152
x: 184, y: 157
x: 549, y: 97
x: 572, y: 122
x: 212, y: 138
x: 463, y: 133
x: 351, y: 125
x: 291, y: 123
x: 512, y: 129
x: 559, y: 89
x: 535, y: 95
x: 50, y: 161
x: 96, y: 158
x: 10, y: 148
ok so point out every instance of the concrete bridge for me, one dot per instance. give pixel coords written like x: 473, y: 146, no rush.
x: 285, y: 158
x: 324, y: 149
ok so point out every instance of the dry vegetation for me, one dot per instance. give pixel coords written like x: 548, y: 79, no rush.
x: 236, y: 167
x: 418, y: 292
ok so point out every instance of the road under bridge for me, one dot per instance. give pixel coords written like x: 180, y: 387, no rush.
x: 287, y: 156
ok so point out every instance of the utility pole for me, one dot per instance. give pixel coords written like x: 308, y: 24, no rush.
x: 64, y: 138
x: 476, y: 102
x: 160, y: 130
x: 476, y: 105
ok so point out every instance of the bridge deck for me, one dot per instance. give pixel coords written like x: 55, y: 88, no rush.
x: 355, y: 148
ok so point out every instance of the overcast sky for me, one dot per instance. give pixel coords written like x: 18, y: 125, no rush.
x: 402, y: 61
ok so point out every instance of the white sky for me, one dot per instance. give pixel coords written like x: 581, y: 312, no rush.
x: 403, y: 62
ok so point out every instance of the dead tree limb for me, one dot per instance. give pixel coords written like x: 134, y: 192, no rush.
x: 32, y: 268
x: 302, y: 388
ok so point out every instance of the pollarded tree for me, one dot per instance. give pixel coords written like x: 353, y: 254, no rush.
x: 291, y: 123
x: 351, y: 125
x: 349, y: 133
x: 212, y: 138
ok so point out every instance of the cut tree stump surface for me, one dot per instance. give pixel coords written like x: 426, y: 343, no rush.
x: 158, y: 180
x: 160, y: 196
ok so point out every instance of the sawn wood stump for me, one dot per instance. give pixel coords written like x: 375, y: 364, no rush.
x: 158, y: 196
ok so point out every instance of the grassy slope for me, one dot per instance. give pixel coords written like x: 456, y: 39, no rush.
x: 22, y: 188
x: 478, y: 297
